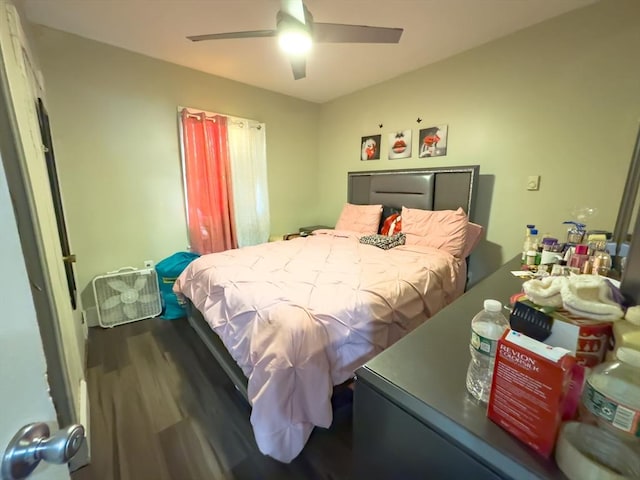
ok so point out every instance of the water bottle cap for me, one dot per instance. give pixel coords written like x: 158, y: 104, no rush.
x: 629, y: 355
x: 531, y: 226
x: 494, y: 306
x: 534, y: 231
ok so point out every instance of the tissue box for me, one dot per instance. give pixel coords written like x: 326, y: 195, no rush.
x: 529, y: 389
x: 588, y: 339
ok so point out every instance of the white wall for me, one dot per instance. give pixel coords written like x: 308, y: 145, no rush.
x: 559, y: 99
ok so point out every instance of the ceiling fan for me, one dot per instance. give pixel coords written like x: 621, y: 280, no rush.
x: 296, y: 31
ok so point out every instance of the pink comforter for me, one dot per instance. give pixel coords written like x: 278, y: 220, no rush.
x: 300, y: 316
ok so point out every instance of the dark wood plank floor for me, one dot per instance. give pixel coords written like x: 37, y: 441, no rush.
x: 162, y: 409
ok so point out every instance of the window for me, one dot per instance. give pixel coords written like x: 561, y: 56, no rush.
x: 225, y: 177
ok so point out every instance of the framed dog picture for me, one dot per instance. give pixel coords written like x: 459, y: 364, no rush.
x: 370, y: 147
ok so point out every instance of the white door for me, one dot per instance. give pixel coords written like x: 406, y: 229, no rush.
x: 29, y: 184
x: 24, y: 396
x: 32, y: 272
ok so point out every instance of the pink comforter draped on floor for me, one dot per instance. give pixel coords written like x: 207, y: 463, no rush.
x: 300, y: 316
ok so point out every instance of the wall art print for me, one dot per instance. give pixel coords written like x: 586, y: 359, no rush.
x: 400, y: 144
x: 433, y: 141
x: 370, y: 147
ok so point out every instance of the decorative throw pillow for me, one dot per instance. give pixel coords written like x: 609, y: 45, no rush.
x: 384, y: 242
x: 387, y: 211
x: 443, y: 229
x: 363, y: 219
x: 392, y: 224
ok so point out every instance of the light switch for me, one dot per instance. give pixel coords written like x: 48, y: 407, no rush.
x: 533, y: 182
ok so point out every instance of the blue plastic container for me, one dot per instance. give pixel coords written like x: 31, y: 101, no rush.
x: 168, y: 271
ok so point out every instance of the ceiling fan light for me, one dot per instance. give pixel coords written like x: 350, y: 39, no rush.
x: 294, y: 42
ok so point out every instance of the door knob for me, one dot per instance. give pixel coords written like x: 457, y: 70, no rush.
x: 32, y: 443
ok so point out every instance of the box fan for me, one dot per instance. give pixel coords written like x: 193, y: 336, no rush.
x: 126, y: 295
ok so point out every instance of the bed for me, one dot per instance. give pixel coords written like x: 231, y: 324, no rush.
x: 289, y: 320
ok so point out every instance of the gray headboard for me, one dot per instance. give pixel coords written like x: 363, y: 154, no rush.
x: 439, y: 188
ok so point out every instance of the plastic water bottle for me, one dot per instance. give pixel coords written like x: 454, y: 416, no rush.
x: 486, y: 329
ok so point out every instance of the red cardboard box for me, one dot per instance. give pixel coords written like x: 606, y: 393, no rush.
x: 589, y: 339
x: 528, y: 391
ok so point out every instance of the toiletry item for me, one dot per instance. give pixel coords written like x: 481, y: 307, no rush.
x: 576, y: 232
x: 549, y: 257
x: 549, y: 244
x: 527, y: 243
x: 531, y: 257
x: 529, y: 391
x: 580, y: 256
x: 549, y: 252
x: 596, y: 237
x: 601, y: 260
x: 567, y: 254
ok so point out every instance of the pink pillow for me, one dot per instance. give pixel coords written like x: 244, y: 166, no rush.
x: 474, y: 234
x: 360, y: 218
x: 443, y: 229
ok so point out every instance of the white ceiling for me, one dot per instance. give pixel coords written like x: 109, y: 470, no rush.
x: 433, y: 30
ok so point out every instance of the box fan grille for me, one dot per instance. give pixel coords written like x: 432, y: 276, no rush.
x: 126, y: 295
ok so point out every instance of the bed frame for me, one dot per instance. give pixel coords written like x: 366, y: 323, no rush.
x: 442, y: 188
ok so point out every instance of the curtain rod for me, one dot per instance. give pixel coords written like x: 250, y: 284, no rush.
x: 210, y: 116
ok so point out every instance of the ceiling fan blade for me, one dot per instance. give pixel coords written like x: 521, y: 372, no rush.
x: 299, y: 67
x: 340, y: 33
x: 230, y: 35
x: 295, y: 9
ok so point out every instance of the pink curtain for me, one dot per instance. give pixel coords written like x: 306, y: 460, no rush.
x: 208, y: 183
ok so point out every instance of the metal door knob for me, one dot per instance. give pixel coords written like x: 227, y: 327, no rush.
x: 32, y: 443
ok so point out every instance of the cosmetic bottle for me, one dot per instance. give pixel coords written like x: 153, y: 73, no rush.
x: 580, y: 256
x: 601, y: 263
x: 526, y: 246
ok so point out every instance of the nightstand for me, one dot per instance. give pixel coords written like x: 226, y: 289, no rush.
x: 304, y: 231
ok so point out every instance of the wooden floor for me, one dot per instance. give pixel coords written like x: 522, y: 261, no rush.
x: 161, y: 409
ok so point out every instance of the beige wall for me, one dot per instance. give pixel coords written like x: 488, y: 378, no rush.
x: 557, y: 100
x: 114, y: 122
x: 560, y: 99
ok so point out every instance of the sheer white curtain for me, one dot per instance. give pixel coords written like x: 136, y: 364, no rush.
x: 248, y: 155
